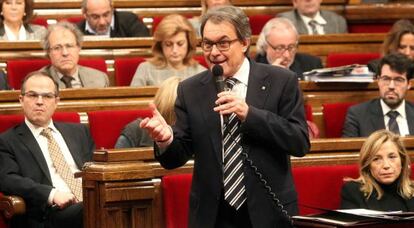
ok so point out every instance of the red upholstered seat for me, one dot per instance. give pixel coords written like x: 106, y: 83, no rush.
x: 334, y: 117
x: 200, y: 59
x: 176, y: 193
x: 257, y: 22
x: 18, y: 69
x: 74, y: 19
x: 308, y: 112
x: 9, y: 121
x: 342, y: 59
x: 125, y: 69
x: 96, y: 63
x: 320, y: 186
x: 370, y: 28
x: 106, y: 126
x: 40, y: 21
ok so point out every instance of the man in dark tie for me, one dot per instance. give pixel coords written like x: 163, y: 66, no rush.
x: 249, y: 130
x: 38, y: 159
x: 391, y: 111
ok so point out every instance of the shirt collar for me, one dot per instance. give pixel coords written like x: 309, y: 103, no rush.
x: 318, y: 18
x: 243, y: 73
x: 37, y: 130
x: 12, y: 37
x: 400, y: 109
x: 89, y: 29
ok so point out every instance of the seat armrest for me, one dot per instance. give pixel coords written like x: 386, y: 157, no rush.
x: 11, y: 205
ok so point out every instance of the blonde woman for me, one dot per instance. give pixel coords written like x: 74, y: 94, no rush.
x: 384, y: 183
x: 173, y: 49
x: 132, y: 135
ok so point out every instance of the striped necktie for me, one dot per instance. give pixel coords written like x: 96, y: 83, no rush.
x: 392, y: 123
x: 313, y: 24
x: 67, y: 80
x: 234, y: 189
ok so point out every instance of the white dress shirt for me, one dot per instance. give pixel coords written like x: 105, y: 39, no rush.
x: 319, y: 20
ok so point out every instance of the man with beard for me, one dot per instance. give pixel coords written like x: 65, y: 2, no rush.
x: 391, y: 111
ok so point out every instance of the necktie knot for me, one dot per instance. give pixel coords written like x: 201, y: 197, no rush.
x: 46, y: 133
x: 393, y: 114
x: 313, y: 24
x: 67, y: 80
x: 392, y: 123
x: 231, y: 82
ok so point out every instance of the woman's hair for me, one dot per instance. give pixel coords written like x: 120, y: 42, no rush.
x: 367, y: 154
x: 28, y: 10
x: 170, y: 26
x: 393, y: 38
x: 165, y: 98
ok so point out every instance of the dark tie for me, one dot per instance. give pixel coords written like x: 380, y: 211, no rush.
x: 234, y: 189
x: 392, y: 123
x: 313, y: 24
x: 67, y: 80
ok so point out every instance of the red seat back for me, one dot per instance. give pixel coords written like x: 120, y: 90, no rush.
x: 125, y: 69
x: 201, y: 60
x: 40, y: 21
x: 257, y: 22
x: 342, y: 59
x: 74, y: 19
x: 18, y: 69
x: 95, y: 63
x: 106, y: 126
x: 370, y: 28
x: 334, y: 117
x: 176, y: 194
x: 308, y: 112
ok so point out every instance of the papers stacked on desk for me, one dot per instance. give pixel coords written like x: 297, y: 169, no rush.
x: 349, y: 73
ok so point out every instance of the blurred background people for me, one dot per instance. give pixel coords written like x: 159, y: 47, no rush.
x: 173, y: 49
x: 101, y: 19
x: 308, y: 18
x: 62, y: 44
x: 3, y: 81
x: 277, y: 45
x: 15, y: 16
x: 384, y: 183
x: 400, y: 39
x: 134, y: 136
x: 205, y: 5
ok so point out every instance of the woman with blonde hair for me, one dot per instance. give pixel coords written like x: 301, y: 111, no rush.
x: 132, y: 135
x: 173, y: 48
x: 384, y: 183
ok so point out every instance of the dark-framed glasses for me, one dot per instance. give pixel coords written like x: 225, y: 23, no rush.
x: 279, y: 49
x: 397, y: 80
x: 34, y: 95
x: 222, y: 45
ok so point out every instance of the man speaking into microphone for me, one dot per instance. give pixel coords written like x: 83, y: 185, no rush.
x: 240, y: 121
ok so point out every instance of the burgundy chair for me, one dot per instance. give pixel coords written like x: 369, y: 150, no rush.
x: 334, y: 115
x: 106, y: 126
x: 257, y: 22
x: 125, y: 69
x: 18, y: 69
x: 342, y: 59
x: 40, y: 21
x: 200, y: 59
x: 370, y: 28
x: 74, y: 19
x: 96, y: 63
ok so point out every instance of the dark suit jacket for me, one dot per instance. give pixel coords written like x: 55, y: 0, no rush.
x: 23, y: 168
x: 363, y: 119
x: 373, y: 65
x: 301, y: 63
x: 3, y: 81
x: 274, y: 129
x: 352, y: 197
x: 127, y: 24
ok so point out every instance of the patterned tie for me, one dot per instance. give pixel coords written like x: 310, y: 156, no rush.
x: 67, y: 80
x: 62, y: 167
x: 234, y: 189
x: 313, y: 24
x: 392, y: 123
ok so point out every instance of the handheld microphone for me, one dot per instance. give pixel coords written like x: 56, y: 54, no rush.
x: 220, y: 84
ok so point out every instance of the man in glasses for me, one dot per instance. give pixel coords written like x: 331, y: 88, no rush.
x: 391, y: 111
x: 277, y: 45
x: 62, y: 44
x: 101, y: 19
x: 39, y: 157
x: 252, y: 127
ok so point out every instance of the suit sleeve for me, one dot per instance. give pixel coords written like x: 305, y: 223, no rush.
x: 351, y: 126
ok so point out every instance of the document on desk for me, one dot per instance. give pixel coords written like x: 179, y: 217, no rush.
x: 392, y: 215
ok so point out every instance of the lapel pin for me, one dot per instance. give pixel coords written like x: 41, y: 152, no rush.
x: 263, y: 87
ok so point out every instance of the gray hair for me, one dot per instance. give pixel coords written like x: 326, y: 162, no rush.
x: 85, y: 2
x: 62, y: 25
x: 231, y: 14
x: 278, y: 23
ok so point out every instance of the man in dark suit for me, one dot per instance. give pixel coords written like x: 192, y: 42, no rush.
x: 3, y: 81
x: 308, y: 18
x: 29, y: 167
x: 101, y: 19
x: 393, y: 83
x: 277, y: 44
x: 264, y: 110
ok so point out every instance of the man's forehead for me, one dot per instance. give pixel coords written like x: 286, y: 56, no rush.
x: 219, y: 30
x: 387, y: 71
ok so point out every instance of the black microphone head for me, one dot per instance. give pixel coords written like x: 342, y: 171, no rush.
x: 217, y: 70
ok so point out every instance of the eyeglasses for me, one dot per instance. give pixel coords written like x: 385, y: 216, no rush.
x: 279, y: 49
x: 34, y: 95
x: 97, y: 16
x: 222, y: 45
x: 59, y: 47
x: 398, y: 81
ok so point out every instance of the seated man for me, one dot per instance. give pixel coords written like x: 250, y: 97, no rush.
x: 39, y: 157
x: 391, y: 111
x: 101, y: 19
x: 62, y: 44
x: 277, y: 44
x: 3, y: 81
x: 309, y: 19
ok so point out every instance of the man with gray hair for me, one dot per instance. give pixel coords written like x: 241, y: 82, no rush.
x: 241, y: 138
x: 62, y: 43
x: 277, y: 45
x: 101, y: 19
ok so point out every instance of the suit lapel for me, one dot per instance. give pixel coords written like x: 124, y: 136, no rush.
x: 409, y: 110
x: 377, y: 120
x: 26, y: 138
x: 258, y: 86
x: 73, y: 146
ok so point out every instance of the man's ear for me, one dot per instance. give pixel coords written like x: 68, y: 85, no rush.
x: 246, y: 44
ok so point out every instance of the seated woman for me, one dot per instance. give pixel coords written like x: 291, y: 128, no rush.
x: 384, y: 183
x: 14, y: 21
x: 173, y: 48
x: 132, y: 135
x: 399, y: 39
